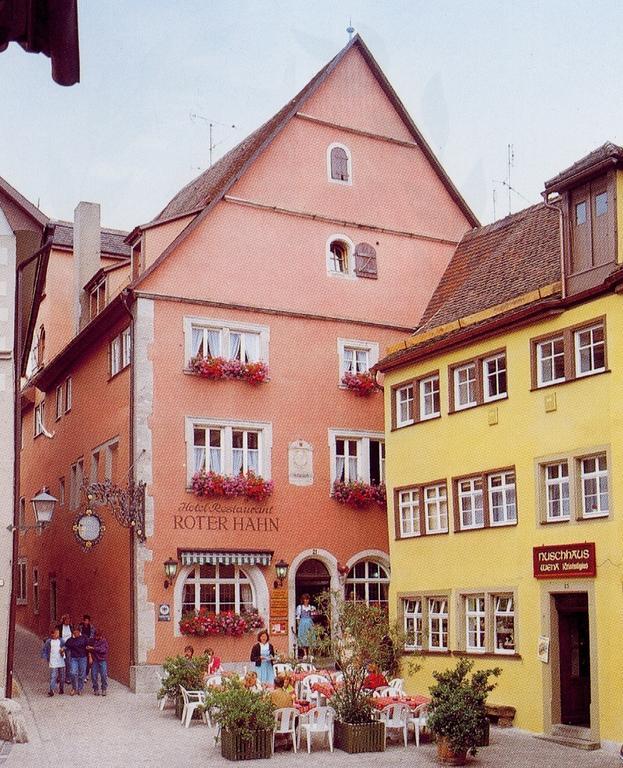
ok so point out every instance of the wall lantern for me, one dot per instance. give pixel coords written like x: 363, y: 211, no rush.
x: 281, y: 569
x: 43, y: 505
x: 170, y: 569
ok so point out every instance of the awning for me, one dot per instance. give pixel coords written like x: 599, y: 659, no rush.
x: 225, y: 557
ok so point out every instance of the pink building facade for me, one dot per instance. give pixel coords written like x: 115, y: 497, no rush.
x: 302, y: 254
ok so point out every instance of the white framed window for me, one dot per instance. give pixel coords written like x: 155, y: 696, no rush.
x: 340, y: 256
x: 475, y: 623
x: 557, y: 491
x: 437, y: 624
x: 465, y: 386
x: 594, y: 486
x: 126, y: 347
x: 430, y: 405
x: 590, y: 350
x: 550, y: 361
x: 502, y: 498
x: 471, y: 503
x: 356, y: 355
x: 413, y: 623
x: 22, y: 581
x: 120, y: 351
x: 68, y: 393
x: 494, y: 377
x: 228, y: 447
x: 59, y: 402
x: 207, y: 337
x: 409, y: 512
x: 339, y: 164
x: 436, y: 508
x: 504, y: 623
x: 367, y: 582
x: 404, y: 406
x: 218, y: 588
x: 357, y: 456
x: 39, y: 418
x: 35, y: 590
x: 76, y: 481
x: 97, y: 298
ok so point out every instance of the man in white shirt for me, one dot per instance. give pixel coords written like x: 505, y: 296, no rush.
x: 54, y: 652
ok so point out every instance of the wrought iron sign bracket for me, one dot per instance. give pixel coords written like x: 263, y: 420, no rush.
x: 126, y: 504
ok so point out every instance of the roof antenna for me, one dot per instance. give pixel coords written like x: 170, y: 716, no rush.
x: 212, y: 146
x: 350, y: 29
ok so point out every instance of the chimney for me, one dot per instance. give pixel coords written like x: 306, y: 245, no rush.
x: 86, y: 257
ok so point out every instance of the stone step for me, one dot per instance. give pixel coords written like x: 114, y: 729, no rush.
x: 570, y: 741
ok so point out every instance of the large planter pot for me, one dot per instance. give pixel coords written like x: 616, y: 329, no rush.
x: 258, y: 747
x: 447, y: 756
x: 366, y: 737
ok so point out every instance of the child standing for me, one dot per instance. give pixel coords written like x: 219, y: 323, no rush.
x: 99, y: 653
x: 54, y: 652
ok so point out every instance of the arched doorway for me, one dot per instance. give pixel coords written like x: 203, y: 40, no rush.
x: 313, y: 578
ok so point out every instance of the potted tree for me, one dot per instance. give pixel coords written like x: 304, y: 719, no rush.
x: 456, y: 714
x: 245, y: 718
x: 181, y: 671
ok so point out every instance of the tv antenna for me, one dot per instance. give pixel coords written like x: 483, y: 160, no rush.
x: 510, y: 163
x: 211, y: 123
x: 350, y: 29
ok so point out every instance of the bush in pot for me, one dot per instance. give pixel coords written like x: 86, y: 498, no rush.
x: 456, y: 713
x: 180, y: 671
x: 245, y: 717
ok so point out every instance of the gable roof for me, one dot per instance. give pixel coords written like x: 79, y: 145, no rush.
x: 112, y: 241
x: 199, y: 196
x: 26, y: 206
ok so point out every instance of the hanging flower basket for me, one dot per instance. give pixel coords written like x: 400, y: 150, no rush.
x: 250, y: 485
x: 359, y: 494
x: 216, y: 368
x: 204, y: 624
x: 362, y: 384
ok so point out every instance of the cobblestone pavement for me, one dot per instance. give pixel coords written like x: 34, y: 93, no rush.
x: 124, y: 729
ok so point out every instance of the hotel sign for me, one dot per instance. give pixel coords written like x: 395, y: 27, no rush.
x: 564, y: 561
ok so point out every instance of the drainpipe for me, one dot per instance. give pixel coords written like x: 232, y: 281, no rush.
x: 558, y: 210
x: 17, y: 427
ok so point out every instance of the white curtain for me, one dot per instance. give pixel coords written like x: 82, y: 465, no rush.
x: 199, y: 453
x: 197, y: 340
x: 214, y: 343
x: 234, y: 346
x: 352, y: 468
x: 252, y: 347
x: 339, y: 468
x: 253, y: 457
x: 215, y: 459
x: 237, y: 460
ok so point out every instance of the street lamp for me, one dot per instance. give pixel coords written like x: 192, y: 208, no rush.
x: 281, y: 569
x: 170, y: 569
x: 43, y: 505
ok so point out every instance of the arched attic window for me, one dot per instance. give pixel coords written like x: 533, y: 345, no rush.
x: 339, y: 164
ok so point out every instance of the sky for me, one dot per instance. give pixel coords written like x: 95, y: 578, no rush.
x: 475, y: 75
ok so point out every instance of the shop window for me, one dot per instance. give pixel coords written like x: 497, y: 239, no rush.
x: 368, y: 582
x: 217, y: 588
x: 484, y: 500
x: 416, y: 401
x: 569, y: 354
x: 22, y: 581
x: 504, y: 624
x: 573, y: 488
x: 478, y: 381
x: 357, y: 457
x: 204, y: 338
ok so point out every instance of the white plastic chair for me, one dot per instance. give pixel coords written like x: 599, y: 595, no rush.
x: 338, y: 677
x: 285, y: 722
x: 281, y: 668
x: 166, y: 698
x: 396, y: 718
x: 319, y: 720
x: 192, y: 701
x: 418, y: 720
x: 304, y: 666
x: 385, y: 691
x: 213, y: 681
x: 306, y: 687
x: 399, y: 684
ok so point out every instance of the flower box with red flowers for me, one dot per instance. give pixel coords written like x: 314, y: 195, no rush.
x: 250, y: 485
x: 362, y: 384
x: 203, y: 624
x: 217, y: 368
x: 359, y: 494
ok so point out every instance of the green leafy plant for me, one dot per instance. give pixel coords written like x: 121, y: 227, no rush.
x: 239, y: 710
x: 181, y: 671
x: 457, y: 710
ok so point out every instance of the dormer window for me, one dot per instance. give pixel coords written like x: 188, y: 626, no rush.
x: 339, y: 164
x: 97, y: 299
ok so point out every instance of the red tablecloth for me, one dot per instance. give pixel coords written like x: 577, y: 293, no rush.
x: 411, y: 701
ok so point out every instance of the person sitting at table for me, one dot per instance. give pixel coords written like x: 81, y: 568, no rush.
x: 288, y: 683
x: 251, y: 683
x: 375, y: 679
x: 211, y: 663
x: 280, y: 697
x: 189, y: 652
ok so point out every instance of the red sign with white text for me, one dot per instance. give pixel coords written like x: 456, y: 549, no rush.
x: 565, y: 561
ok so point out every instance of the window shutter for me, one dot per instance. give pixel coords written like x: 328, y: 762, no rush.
x: 339, y: 164
x: 365, y: 261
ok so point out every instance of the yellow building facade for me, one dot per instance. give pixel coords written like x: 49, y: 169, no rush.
x: 504, y: 427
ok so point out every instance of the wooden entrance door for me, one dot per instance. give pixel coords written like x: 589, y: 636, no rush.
x: 575, y: 660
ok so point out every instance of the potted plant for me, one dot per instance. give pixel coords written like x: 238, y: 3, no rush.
x: 181, y: 671
x: 457, y: 714
x: 245, y: 717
